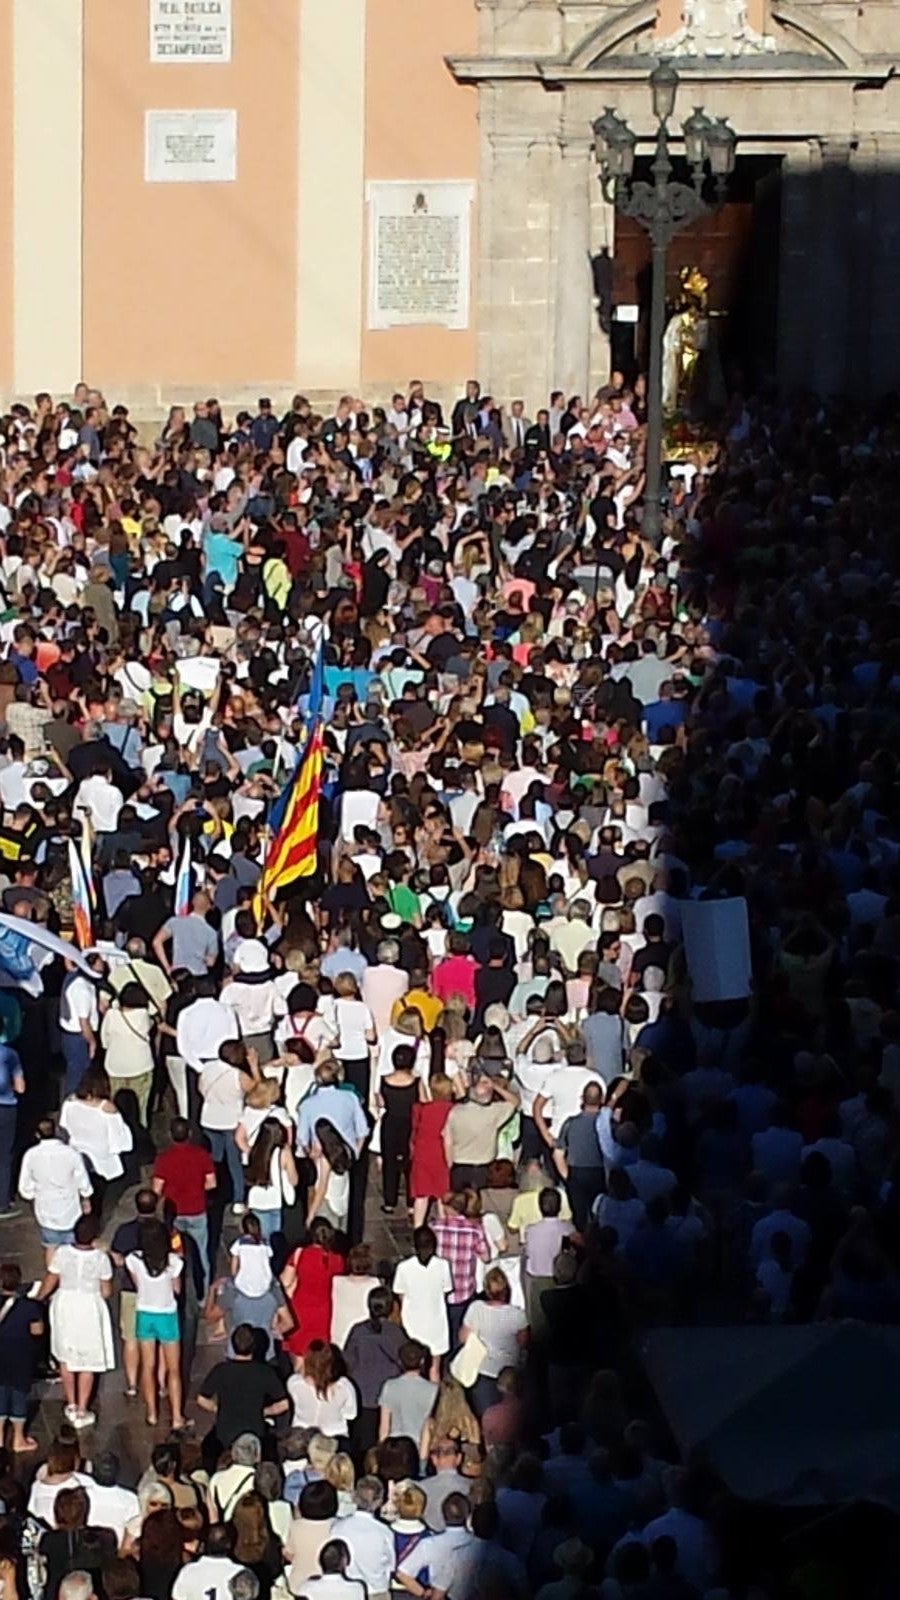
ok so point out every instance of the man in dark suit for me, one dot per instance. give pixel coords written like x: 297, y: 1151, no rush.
x: 464, y: 418
x: 518, y: 425
x: 537, y: 437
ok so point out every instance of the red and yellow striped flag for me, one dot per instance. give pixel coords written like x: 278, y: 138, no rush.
x: 293, y: 850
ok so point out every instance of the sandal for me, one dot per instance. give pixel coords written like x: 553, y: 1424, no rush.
x: 130, y: 1394
x: 152, y: 1422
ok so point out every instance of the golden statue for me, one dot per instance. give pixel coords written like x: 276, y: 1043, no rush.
x: 684, y: 339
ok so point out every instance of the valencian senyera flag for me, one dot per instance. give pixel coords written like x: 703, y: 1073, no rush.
x: 292, y: 851
x: 81, y: 899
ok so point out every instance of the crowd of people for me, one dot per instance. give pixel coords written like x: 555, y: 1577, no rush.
x: 363, y: 1191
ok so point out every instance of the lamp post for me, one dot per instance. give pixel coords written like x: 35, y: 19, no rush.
x: 663, y: 208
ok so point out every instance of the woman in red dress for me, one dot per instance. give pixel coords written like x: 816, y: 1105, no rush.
x: 306, y: 1281
x: 429, y: 1175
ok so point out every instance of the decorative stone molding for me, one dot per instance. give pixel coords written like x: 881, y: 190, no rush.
x: 712, y: 28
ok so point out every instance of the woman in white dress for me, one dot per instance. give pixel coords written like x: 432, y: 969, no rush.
x: 423, y: 1282
x: 96, y: 1130
x: 80, y: 1280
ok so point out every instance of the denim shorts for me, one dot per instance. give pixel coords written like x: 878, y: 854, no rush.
x: 159, y: 1325
x: 50, y: 1236
x: 13, y: 1402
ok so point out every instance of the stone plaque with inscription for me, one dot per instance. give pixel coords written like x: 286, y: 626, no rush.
x: 190, y: 146
x: 419, y: 254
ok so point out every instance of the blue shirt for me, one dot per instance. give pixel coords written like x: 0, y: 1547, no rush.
x: 663, y: 714
x: 338, y: 961
x: 25, y: 666
x: 10, y: 1068
x: 340, y: 1107
x: 222, y: 556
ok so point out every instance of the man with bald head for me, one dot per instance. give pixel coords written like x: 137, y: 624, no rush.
x: 577, y: 1157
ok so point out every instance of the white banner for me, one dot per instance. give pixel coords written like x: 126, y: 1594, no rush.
x: 194, y: 31
x: 190, y: 146
x: 717, y: 948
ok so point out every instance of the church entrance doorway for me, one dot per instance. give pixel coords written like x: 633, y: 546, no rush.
x: 736, y: 249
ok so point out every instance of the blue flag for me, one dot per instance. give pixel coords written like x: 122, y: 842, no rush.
x: 317, y: 684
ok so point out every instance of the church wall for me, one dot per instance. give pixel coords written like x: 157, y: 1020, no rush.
x: 6, y: 197
x: 189, y: 283
x: 420, y: 125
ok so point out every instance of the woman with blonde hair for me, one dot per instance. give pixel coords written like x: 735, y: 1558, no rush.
x: 515, y: 920
x: 529, y: 635
x: 407, y: 1502
x: 502, y: 1329
x: 356, y: 1032
x: 340, y: 1473
x: 458, y: 1047
x: 452, y: 1418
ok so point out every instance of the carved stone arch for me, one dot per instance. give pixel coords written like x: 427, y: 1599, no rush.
x: 640, y: 17
x: 825, y: 40
x: 605, y: 39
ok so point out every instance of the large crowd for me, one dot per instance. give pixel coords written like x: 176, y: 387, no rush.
x: 364, y: 1190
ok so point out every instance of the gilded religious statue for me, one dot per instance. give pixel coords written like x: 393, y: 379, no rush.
x: 685, y: 344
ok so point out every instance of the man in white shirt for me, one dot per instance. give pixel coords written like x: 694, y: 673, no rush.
x: 12, y: 786
x: 203, y: 1026
x: 111, y: 1505
x: 369, y: 1540
x: 572, y: 937
x: 562, y: 1093
x: 209, y: 1577
x: 79, y: 1020
x: 333, y: 1583
x: 55, y: 1177
x: 100, y: 800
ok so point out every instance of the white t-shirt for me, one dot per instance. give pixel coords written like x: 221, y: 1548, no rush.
x: 101, y: 800
x: 358, y: 806
x: 223, y: 1097
x: 563, y: 1088
x: 12, y: 787
x: 155, y: 1294
x: 330, y: 1413
x: 78, y: 1003
x: 498, y: 1326
x: 201, y: 1028
x: 207, y: 1578
x: 111, y: 1506
x: 254, y: 1267
x: 354, y: 1020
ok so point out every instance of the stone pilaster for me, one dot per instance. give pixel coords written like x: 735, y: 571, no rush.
x: 514, y: 291
x: 798, y: 231
x: 574, y: 288
x: 831, y: 280
x: 882, y: 249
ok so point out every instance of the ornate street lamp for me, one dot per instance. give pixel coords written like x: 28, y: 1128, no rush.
x: 663, y: 207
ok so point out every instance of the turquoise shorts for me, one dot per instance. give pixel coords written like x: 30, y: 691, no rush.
x: 159, y: 1325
